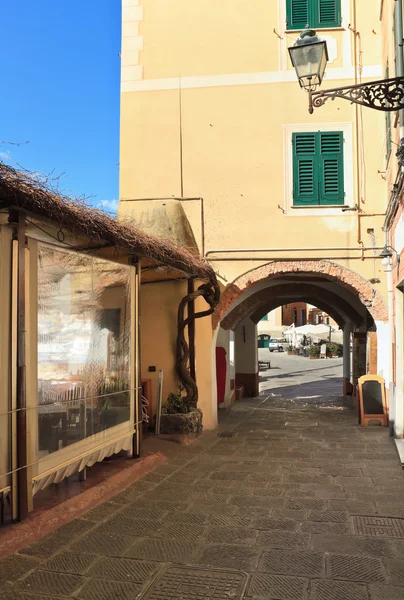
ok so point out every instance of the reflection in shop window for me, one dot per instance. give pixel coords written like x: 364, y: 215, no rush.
x: 83, y: 347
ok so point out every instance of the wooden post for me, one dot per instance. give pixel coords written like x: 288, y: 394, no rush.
x: 135, y: 326
x: 191, y: 330
x: 22, y: 483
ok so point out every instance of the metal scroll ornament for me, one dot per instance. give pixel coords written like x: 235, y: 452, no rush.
x: 385, y: 95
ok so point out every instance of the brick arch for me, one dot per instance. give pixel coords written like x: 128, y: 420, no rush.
x: 259, y: 304
x: 329, y: 270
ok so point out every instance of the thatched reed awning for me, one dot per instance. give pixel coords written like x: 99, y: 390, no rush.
x: 25, y: 191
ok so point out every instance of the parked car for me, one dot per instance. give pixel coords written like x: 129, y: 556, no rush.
x: 275, y: 344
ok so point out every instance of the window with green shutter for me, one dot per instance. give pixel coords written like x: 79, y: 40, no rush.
x: 319, y: 14
x: 318, y: 168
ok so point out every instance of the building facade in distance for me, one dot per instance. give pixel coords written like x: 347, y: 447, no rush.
x: 219, y: 152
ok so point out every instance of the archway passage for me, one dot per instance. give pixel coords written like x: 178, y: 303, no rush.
x: 325, y: 270
x: 349, y: 299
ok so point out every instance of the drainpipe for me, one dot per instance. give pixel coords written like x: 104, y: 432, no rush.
x: 399, y: 56
x: 390, y: 305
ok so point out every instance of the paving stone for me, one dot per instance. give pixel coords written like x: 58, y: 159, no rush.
x: 276, y: 586
x: 124, y: 569
x: 105, y: 589
x: 306, y: 564
x: 323, y: 527
x: 353, y: 507
x: 356, y: 568
x: 102, y: 512
x: 329, y: 516
x: 338, y: 590
x: 378, y: 526
x: 47, y: 582
x: 270, y: 523
x: 196, y: 518
x: 390, y: 510
x: 150, y: 513
x: 351, y: 544
x: 379, y: 591
x: 213, y: 509
x: 75, y: 528
x: 396, y: 571
x: 289, y: 513
x: 229, y: 556
x: 184, y: 531
x: 166, y: 469
x: 230, y: 521
x: 154, y: 477
x: 228, y: 535
x: 67, y: 562
x: 133, y: 527
x: 15, y: 566
x: 47, y: 546
x: 227, y: 476
x: 190, y: 583
x: 162, y: 550
x: 306, y: 503
x: 101, y: 543
x: 283, y: 540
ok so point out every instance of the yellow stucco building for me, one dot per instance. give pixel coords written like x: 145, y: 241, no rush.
x: 219, y: 152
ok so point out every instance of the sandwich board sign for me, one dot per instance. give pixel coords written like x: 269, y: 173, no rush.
x: 372, y: 400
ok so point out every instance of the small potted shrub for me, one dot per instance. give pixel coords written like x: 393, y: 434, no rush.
x: 314, y: 351
x: 179, y: 418
x: 291, y: 350
x: 332, y: 349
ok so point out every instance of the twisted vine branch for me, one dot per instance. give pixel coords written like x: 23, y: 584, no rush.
x: 211, y: 293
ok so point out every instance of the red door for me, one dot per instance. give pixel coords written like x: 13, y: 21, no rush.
x: 221, y: 367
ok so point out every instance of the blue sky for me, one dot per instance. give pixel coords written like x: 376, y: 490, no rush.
x: 60, y: 92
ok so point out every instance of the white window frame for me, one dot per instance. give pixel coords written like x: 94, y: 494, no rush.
x: 312, y: 211
x: 286, y: 41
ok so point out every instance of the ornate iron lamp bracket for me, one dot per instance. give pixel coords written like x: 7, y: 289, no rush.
x: 385, y: 95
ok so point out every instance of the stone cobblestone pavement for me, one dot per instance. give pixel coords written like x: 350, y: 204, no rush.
x: 265, y: 510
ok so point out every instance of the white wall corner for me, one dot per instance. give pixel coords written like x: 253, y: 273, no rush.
x: 132, y: 13
x: 131, y: 73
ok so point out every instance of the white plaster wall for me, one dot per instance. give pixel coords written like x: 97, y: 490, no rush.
x: 383, y: 351
x: 399, y: 385
x: 223, y: 341
x: 246, y: 347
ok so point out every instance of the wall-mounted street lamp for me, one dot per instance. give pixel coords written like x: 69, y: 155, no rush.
x: 386, y: 255
x: 309, y: 57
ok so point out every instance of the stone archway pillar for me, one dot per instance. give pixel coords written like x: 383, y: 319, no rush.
x: 347, y: 384
x: 246, y: 358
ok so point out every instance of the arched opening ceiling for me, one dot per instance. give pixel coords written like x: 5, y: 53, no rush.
x: 345, y: 293
x: 341, y: 304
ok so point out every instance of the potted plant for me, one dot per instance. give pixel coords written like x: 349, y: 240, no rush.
x: 179, y: 418
x: 332, y: 349
x: 291, y: 350
x: 314, y: 351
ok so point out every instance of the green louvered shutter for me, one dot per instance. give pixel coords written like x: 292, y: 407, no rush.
x: 305, y: 169
x: 331, y: 167
x: 297, y: 14
x: 326, y: 13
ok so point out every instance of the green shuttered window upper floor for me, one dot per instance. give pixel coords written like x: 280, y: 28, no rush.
x: 318, y: 168
x: 319, y: 14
